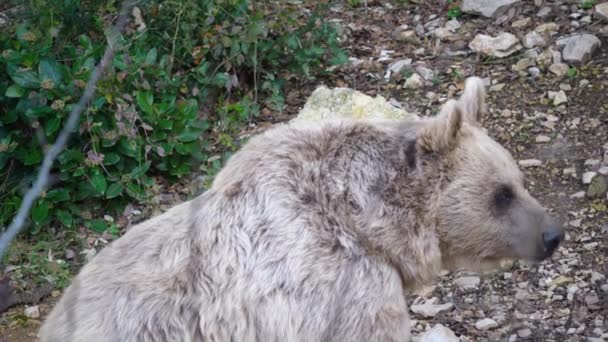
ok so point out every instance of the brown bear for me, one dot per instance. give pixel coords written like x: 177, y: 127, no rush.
x: 314, y: 233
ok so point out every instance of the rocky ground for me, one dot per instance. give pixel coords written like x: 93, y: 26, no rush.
x: 546, y: 66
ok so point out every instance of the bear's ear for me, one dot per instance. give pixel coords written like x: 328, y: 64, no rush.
x: 441, y: 133
x: 473, y: 100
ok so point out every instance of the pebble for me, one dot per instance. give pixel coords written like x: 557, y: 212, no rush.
x: 521, y: 23
x: 530, y: 163
x: 523, y: 333
x: 560, y: 98
x: 588, y: 177
x: 468, y: 282
x: 578, y: 48
x: 439, y: 333
x: 32, y: 312
x: 559, y: 69
x: 503, y: 45
x: 487, y: 8
x: 533, y: 39
x: 601, y: 11
x: 430, y: 310
x: 543, y: 139
x: 414, y: 82
x: 486, y: 324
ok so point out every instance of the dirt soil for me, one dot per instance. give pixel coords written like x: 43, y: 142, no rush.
x: 562, y: 299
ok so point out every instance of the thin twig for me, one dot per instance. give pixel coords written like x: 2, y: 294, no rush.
x: 43, y: 175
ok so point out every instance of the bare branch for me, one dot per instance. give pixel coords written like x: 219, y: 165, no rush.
x: 43, y: 175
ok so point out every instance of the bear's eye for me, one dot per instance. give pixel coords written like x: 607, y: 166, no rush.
x: 504, y: 196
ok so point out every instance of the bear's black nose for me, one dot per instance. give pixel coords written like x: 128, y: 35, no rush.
x: 552, y: 238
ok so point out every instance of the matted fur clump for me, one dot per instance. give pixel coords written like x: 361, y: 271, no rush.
x: 314, y: 233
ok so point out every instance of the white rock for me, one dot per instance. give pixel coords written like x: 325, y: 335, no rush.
x: 548, y: 28
x: 426, y: 73
x: 439, y: 333
x: 486, y: 324
x: 487, y: 8
x: 397, y: 66
x: 530, y: 163
x: 578, y: 48
x: 430, y: 310
x: 533, y: 39
x: 578, y: 194
x: 597, y: 277
x: 414, y: 82
x: 559, y: 69
x: 468, y: 282
x: 588, y: 177
x: 560, y: 97
x: 543, y: 139
x: 523, y: 333
x: 521, y: 23
x: 32, y: 312
x: 603, y: 170
x: 601, y: 11
x: 503, y: 45
x: 325, y: 103
x: 545, y: 11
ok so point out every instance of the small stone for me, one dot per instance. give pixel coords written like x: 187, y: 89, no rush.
x: 523, y: 64
x: 548, y: 28
x: 521, y: 23
x: 530, y: 163
x: 588, y: 177
x: 497, y: 87
x: 523, y: 333
x: 70, y: 254
x: 603, y: 170
x: 601, y: 11
x: 534, y: 71
x: 430, y: 310
x: 579, y: 48
x: 426, y: 73
x: 414, y: 82
x: 534, y: 39
x: 408, y: 36
x: 561, y: 280
x: 545, y: 11
x: 467, y: 283
x: 486, y: 324
x: 543, y: 139
x: 598, y: 187
x: 32, y: 312
x: 487, y: 8
x: 559, y: 69
x: 560, y: 97
x: 439, y: 333
x: 397, y: 66
x: 503, y: 45
x: 597, y: 277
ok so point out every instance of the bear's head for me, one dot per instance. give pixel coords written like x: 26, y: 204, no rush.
x: 484, y: 212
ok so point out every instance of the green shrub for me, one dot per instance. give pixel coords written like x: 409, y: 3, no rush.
x: 175, y: 93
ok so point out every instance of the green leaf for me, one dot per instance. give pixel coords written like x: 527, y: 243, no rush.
x: 114, y: 190
x: 98, y: 226
x: 151, y: 57
x: 48, y: 69
x: 65, y: 218
x: 98, y: 181
x: 145, y: 99
x: 14, y: 91
x: 25, y: 78
x: 58, y: 195
x: 189, y: 136
x: 40, y: 212
x: 33, y: 157
x: 111, y: 158
x: 52, y: 125
x: 165, y: 124
x: 140, y: 170
x: 136, y: 191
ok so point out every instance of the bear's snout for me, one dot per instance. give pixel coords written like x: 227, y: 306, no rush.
x: 552, y: 237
